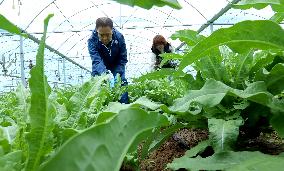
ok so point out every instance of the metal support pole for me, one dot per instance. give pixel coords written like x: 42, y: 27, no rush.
x: 82, y: 81
x: 23, y: 78
x: 211, y: 28
x: 58, y: 69
x: 54, y: 50
x: 64, y: 76
x: 212, y: 20
x: 120, y: 22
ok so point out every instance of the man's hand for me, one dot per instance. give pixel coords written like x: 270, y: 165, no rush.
x: 107, y: 71
x: 112, y: 80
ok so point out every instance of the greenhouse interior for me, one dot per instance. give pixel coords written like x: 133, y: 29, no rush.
x: 178, y: 85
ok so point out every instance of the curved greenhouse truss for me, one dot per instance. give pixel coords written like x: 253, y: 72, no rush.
x: 220, y: 108
x: 67, y: 57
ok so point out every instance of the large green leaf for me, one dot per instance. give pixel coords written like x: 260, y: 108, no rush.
x: 61, y: 111
x: 241, y: 69
x: 240, y: 38
x: 198, y: 83
x: 278, y: 17
x: 274, y: 79
x: 258, y: 4
x: 163, y: 90
x: 190, y: 37
x: 11, y: 161
x: 86, y: 94
x: 261, y: 60
x: 5, y: 24
x: 168, y: 56
x: 276, y: 5
x: 277, y: 123
x: 237, y: 161
x: 115, y: 107
x: 223, y: 134
x: 5, y: 140
x: 23, y: 106
x: 278, y: 8
x: 256, y: 92
x: 40, y: 114
x: 164, y: 72
x: 104, y: 117
x: 232, y: 68
x: 209, y: 95
x: 147, y: 4
x: 87, y: 101
x: 104, y: 146
x: 212, y: 66
x: 200, y: 147
x: 214, y: 91
x: 159, y: 137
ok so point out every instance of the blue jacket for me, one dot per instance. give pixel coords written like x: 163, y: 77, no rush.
x: 113, y: 58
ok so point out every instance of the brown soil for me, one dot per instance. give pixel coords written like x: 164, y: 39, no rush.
x: 183, y: 140
x: 267, y: 143
x: 175, y: 147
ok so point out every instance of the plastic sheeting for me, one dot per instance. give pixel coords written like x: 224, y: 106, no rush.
x: 73, y: 22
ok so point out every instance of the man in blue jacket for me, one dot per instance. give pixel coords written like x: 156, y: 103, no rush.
x: 108, y: 51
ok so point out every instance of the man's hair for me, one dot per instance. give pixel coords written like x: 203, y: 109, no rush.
x: 104, y: 22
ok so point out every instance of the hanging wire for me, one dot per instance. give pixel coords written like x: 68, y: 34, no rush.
x: 214, y: 18
x: 19, y: 7
x: 196, y: 9
x: 76, y: 44
x: 2, y: 2
x: 58, y: 53
x: 76, y: 13
x: 66, y: 19
x: 39, y: 14
x: 103, y: 12
x: 168, y: 16
x: 129, y: 17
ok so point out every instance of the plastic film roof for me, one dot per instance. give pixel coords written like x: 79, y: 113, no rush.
x: 73, y: 21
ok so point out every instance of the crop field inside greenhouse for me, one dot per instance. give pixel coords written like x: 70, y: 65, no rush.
x: 152, y: 85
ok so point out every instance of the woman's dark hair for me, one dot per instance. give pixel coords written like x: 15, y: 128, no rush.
x: 159, y: 40
x: 104, y: 22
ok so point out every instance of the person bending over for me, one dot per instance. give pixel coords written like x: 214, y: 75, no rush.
x: 108, y: 51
